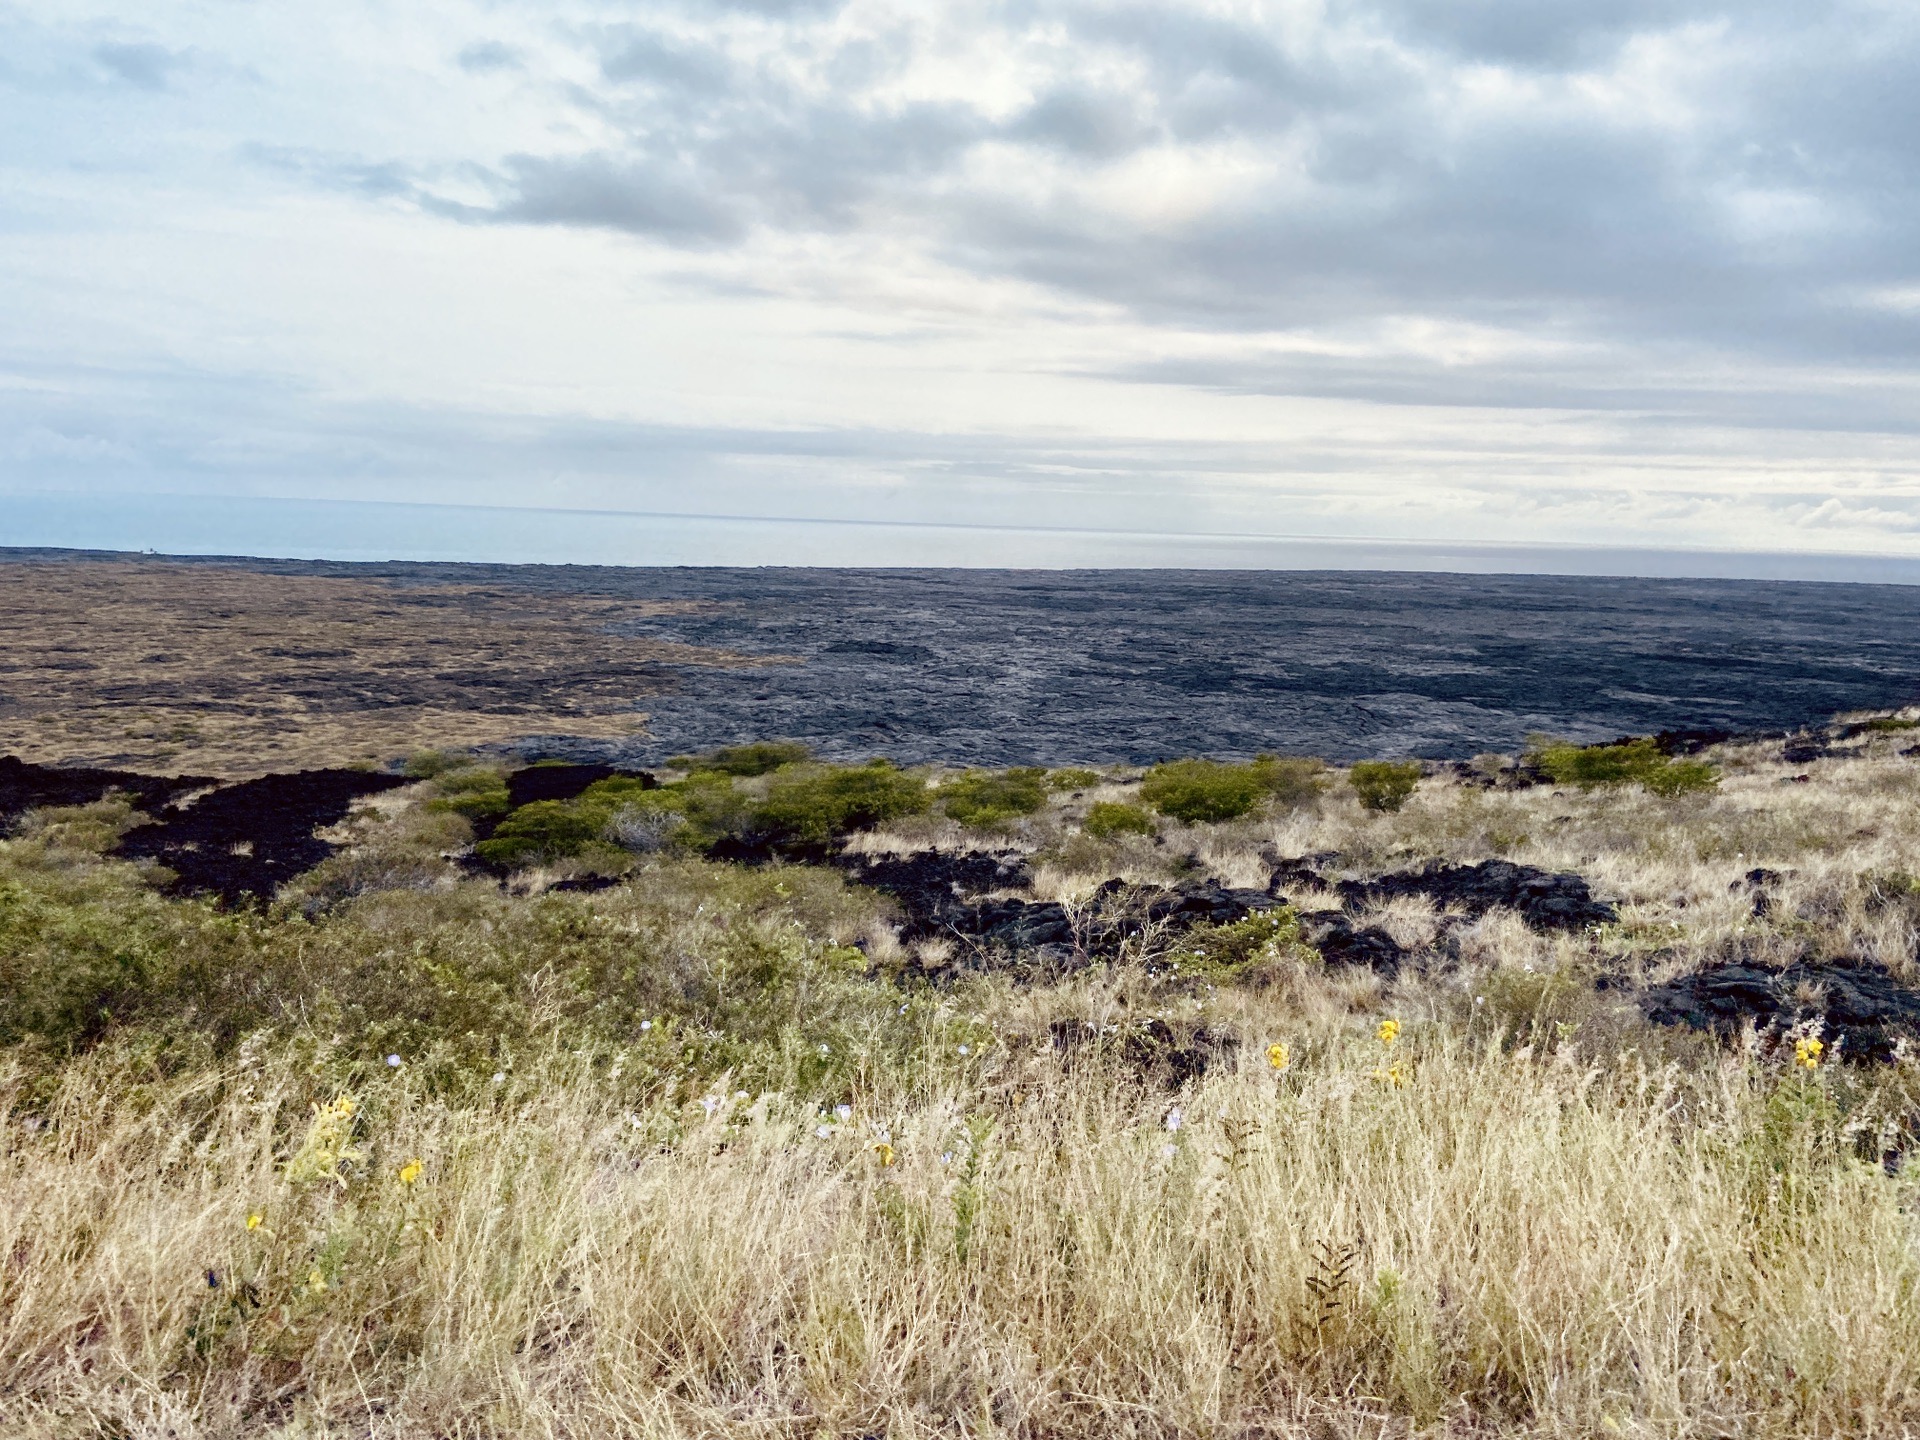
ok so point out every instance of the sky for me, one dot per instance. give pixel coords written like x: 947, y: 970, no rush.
x: 1616, y: 273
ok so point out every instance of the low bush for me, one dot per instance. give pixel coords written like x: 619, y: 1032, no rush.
x: 986, y: 798
x: 806, y: 807
x: 1107, y: 818
x: 1205, y: 791
x: 760, y: 757
x: 1630, y: 762
x: 1072, y: 779
x: 1221, y: 952
x: 542, y: 832
x: 1384, y: 785
x: 475, y: 791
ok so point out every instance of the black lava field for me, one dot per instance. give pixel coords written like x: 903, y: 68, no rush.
x: 1005, y: 667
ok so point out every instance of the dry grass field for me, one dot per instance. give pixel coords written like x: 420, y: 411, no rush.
x: 704, y: 1153
x: 235, y: 671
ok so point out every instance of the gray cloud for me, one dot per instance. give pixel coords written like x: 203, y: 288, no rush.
x: 1751, y: 209
x: 144, y: 66
x: 485, y: 56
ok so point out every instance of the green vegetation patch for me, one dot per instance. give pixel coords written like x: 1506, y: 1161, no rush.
x: 1073, y: 779
x: 808, y: 806
x: 1108, y: 818
x: 1384, y: 785
x: 1631, y: 762
x: 986, y: 797
x: 1226, y: 952
x: 1207, y: 791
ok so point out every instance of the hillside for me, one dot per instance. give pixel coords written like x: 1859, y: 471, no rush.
x: 1566, y: 1093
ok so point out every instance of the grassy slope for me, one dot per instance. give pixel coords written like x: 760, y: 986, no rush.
x: 1529, y: 1214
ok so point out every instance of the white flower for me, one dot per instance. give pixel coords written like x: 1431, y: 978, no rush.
x: 843, y: 1113
x: 826, y: 1050
x: 1175, y: 1119
x: 393, y: 1061
x: 1167, y: 1152
x: 646, y: 1024
x: 740, y: 1095
x: 946, y: 1157
x: 966, y: 1049
x: 499, y: 1077
x: 825, y: 1132
x: 709, y: 1103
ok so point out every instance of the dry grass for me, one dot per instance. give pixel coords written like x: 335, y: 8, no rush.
x: 1530, y: 1215
x: 236, y: 672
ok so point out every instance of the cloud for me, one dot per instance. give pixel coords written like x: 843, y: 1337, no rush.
x: 141, y: 65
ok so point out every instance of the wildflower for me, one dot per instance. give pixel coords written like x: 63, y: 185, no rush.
x: 885, y: 1152
x: 826, y: 1050
x: 843, y: 1113
x: 499, y: 1077
x: 316, y: 1283
x: 646, y: 1025
x: 1807, y: 1053
x: 966, y: 1049
x: 946, y: 1157
x: 410, y: 1172
x: 1278, y: 1057
x: 1391, y: 1076
x: 253, y: 1220
x: 710, y: 1103
x: 1167, y: 1152
x: 1388, y: 1032
x: 1175, y: 1118
x: 344, y: 1107
x: 825, y: 1132
x: 393, y: 1062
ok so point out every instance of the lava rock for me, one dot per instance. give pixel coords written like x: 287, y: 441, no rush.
x: 245, y: 841
x: 1153, y: 1047
x: 26, y: 787
x: 1545, y: 899
x: 1340, y: 943
x: 1861, y: 1008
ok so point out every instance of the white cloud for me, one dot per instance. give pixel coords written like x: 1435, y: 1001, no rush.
x: 1621, y: 273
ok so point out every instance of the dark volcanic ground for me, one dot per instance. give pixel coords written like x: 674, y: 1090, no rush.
x: 996, y: 667
x: 1014, y: 667
x: 1006, y: 667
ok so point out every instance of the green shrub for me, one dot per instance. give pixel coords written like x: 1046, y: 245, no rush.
x: 1208, y: 790
x: 985, y: 798
x: 1631, y: 762
x: 1223, y: 951
x: 1384, y: 785
x: 541, y: 832
x: 760, y: 757
x: 1073, y: 779
x: 807, y: 807
x: 475, y: 791
x: 1107, y: 818
x: 708, y: 805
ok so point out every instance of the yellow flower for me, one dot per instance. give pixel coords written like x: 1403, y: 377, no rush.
x: 1388, y: 1032
x: 1807, y: 1053
x: 1392, y: 1076
x: 410, y: 1172
x: 1278, y: 1057
x: 344, y: 1107
x: 885, y: 1152
x: 253, y: 1220
x: 316, y: 1283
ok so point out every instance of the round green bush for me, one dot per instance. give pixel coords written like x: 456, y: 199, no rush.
x: 986, y: 798
x: 1107, y: 818
x: 1194, y: 791
x: 1384, y: 785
